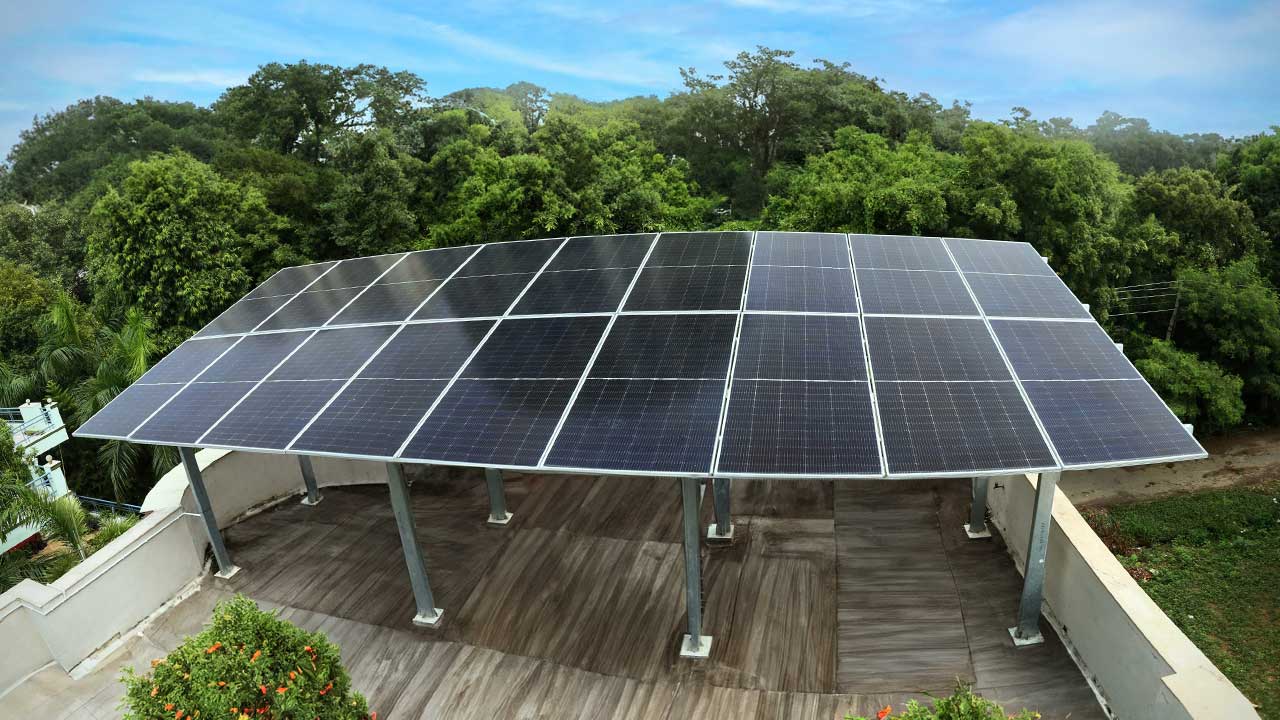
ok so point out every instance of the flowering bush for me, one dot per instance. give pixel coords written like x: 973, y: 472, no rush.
x: 247, y: 664
x: 963, y: 704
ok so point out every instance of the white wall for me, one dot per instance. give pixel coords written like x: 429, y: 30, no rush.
x: 1143, y: 664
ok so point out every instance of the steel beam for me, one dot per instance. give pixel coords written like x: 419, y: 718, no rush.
x: 977, y: 525
x: 722, y: 529
x: 694, y: 644
x: 1027, y: 632
x: 198, y: 491
x: 428, y: 614
x: 498, y: 514
x: 313, y: 496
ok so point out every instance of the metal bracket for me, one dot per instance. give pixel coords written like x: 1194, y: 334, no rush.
x: 714, y: 536
x: 1028, y: 641
x: 697, y: 651
x: 983, y: 533
x: 429, y: 622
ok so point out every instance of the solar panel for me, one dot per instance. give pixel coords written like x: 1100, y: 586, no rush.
x: 724, y: 353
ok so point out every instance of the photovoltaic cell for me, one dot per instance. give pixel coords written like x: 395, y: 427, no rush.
x: 603, y: 251
x: 1025, y: 296
x: 1109, y: 421
x: 272, y: 414
x: 387, y: 303
x: 371, y: 417
x: 310, y: 309
x: 191, y: 412
x: 575, y: 291
x: 988, y: 256
x: 127, y: 411
x: 641, y: 425
x: 715, y: 287
x: 498, y: 422
x: 933, y: 349
x: 253, y: 357
x: 801, y: 249
x: 333, y: 354
x: 538, y: 348
x: 289, y: 280
x: 800, y: 428
x: 1047, y: 350
x: 908, y: 292
x: 355, y: 273
x: 187, y: 360
x: 244, y: 316
x: 484, y: 296
x: 425, y: 352
x: 800, y: 347
x: 936, y: 427
x: 701, y: 248
x: 427, y: 265
x: 890, y: 252
x: 801, y: 289
x: 667, y: 346
x: 512, y: 257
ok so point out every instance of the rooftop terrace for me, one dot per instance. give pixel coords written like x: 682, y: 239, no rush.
x: 833, y: 597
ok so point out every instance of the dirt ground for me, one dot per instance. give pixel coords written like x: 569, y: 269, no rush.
x: 1234, y: 459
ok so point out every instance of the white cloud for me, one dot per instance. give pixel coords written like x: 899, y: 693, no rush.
x: 1109, y: 42
x: 216, y: 78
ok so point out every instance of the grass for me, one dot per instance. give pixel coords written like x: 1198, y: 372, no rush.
x: 1211, y: 561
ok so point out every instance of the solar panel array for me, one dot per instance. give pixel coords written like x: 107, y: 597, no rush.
x: 733, y: 354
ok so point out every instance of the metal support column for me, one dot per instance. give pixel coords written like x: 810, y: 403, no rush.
x: 722, y: 529
x: 498, y: 514
x: 1027, y: 631
x: 428, y: 614
x: 694, y: 644
x: 977, y: 525
x: 313, y: 496
x: 225, y: 567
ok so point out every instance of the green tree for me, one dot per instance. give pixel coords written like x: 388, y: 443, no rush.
x: 24, y: 298
x: 180, y: 242
x: 371, y: 207
x: 1252, y: 170
x: 304, y: 107
x: 1213, y: 228
x: 1199, y: 392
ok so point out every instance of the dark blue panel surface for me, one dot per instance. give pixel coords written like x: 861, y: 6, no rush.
x: 191, y: 413
x: 310, y: 309
x: 1048, y: 350
x: 538, y: 348
x: 1108, y: 421
x: 715, y: 287
x: 800, y: 428
x: 701, y: 248
x: 988, y: 256
x: 1025, y: 296
x: 575, y: 291
x: 244, y: 316
x: 807, y: 249
x: 497, y: 422
x: 892, y: 252
x: 289, y: 280
x: 127, y: 411
x: 371, y: 417
x: 667, y: 346
x: 427, y: 265
x: 641, y: 425
x: 356, y: 273
x: 187, y: 360
x: 906, y: 292
x: 800, y: 347
x: 254, y: 357
x: 604, y: 251
x: 937, y: 427
x: 933, y: 349
x: 430, y: 351
x: 801, y: 289
x: 333, y: 354
x: 526, y: 256
x: 484, y: 296
x: 272, y: 415
x: 386, y: 303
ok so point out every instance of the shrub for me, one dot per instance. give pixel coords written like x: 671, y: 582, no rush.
x: 247, y: 663
x: 963, y: 704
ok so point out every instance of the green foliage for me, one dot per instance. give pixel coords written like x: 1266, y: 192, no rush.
x: 1209, y: 561
x: 23, y: 301
x: 48, y: 239
x: 1212, y: 227
x: 371, y: 207
x: 1138, y: 149
x: 1199, y: 392
x: 963, y: 704
x: 246, y: 663
x: 1253, y: 171
x: 179, y: 241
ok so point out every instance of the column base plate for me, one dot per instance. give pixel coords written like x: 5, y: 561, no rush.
x: 429, y: 622
x: 701, y: 652
x: 1019, y: 641
x: 495, y: 522
x: 713, y: 536
x: 983, y: 533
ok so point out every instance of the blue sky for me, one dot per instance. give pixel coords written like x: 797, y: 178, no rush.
x: 1187, y: 66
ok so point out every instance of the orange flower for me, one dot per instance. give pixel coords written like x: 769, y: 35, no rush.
x: 327, y: 688
x: 235, y: 710
x: 293, y: 675
x: 263, y: 688
x: 212, y: 648
x: 155, y: 691
x: 281, y: 690
x: 168, y: 706
x: 884, y: 712
x: 222, y: 683
x: 177, y: 715
x: 256, y: 654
